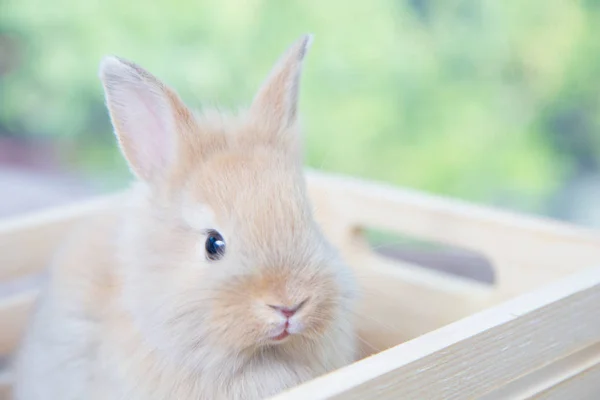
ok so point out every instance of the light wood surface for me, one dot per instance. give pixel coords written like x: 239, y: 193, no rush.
x: 549, y: 378
x: 478, y: 355
x: 526, y: 251
x: 583, y: 386
x: 401, y: 300
x: 28, y: 242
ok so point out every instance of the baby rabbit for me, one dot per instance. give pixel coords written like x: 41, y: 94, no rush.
x: 209, y: 278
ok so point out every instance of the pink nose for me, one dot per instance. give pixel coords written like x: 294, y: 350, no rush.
x: 285, y: 311
x: 288, y: 312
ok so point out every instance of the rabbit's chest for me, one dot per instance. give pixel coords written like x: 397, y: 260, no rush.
x: 134, y: 374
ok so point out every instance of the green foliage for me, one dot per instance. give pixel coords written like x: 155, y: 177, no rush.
x: 469, y: 98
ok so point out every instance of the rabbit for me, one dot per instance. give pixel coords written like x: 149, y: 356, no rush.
x: 207, y: 278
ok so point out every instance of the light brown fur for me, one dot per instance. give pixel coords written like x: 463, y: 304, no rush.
x: 135, y: 310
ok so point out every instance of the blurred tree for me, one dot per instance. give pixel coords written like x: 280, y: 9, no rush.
x: 484, y: 100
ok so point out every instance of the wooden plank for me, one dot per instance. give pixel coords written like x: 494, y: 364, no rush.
x: 14, y: 313
x: 28, y: 242
x: 526, y: 251
x: 477, y: 355
x: 543, y: 379
x: 583, y: 386
x: 400, y: 301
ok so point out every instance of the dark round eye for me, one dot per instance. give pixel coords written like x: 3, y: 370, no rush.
x: 215, y: 245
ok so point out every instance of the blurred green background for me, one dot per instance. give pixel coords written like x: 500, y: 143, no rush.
x: 495, y: 102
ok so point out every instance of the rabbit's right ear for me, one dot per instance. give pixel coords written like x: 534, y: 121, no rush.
x: 145, y: 115
x: 275, y: 105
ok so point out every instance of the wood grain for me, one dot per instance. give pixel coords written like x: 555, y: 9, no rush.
x: 477, y: 355
x: 548, y: 376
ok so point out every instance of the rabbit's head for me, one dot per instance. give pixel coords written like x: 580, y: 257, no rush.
x: 220, y: 253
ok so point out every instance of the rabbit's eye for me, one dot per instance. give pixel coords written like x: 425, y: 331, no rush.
x: 215, y: 245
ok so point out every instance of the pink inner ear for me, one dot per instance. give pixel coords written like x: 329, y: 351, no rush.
x: 145, y: 126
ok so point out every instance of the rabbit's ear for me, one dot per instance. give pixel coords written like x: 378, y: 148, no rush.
x: 145, y: 115
x: 275, y: 104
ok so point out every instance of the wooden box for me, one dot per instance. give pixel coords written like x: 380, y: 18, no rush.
x: 533, y: 333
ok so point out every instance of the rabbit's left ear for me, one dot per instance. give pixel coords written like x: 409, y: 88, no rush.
x: 275, y: 104
x: 147, y: 117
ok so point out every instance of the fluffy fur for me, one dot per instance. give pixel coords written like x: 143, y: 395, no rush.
x: 135, y: 310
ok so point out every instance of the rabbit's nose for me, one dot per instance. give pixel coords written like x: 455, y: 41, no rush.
x: 288, y: 312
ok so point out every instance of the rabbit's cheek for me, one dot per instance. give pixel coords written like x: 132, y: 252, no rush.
x: 318, y: 318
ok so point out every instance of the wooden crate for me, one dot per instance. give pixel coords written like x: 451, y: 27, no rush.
x: 534, y: 333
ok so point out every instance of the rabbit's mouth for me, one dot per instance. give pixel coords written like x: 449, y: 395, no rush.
x: 282, y: 336
x: 287, y: 329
